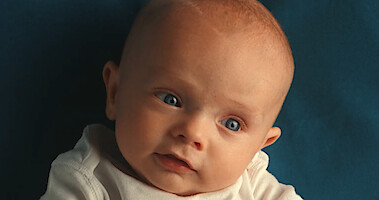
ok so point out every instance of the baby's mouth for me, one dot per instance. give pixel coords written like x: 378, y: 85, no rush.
x: 174, y: 162
x: 173, y: 157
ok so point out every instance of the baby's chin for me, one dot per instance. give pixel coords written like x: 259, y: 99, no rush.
x: 185, y: 187
x: 180, y: 188
x: 170, y: 182
x: 176, y: 184
x: 181, y: 191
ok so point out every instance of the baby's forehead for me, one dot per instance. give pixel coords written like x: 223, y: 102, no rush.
x: 226, y: 17
x: 245, y: 19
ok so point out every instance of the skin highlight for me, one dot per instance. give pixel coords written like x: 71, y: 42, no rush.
x: 216, y: 74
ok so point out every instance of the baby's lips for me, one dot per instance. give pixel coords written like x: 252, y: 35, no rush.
x: 181, y: 159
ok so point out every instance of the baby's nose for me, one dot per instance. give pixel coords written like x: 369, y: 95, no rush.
x: 194, y: 130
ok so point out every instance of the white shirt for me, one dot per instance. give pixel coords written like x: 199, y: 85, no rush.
x: 95, y: 169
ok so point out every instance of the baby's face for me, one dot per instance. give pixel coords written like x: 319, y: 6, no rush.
x: 207, y: 99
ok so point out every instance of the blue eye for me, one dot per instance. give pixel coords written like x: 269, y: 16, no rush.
x: 169, y: 99
x: 231, y: 124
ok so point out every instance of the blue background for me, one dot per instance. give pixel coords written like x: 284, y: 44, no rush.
x: 52, y: 54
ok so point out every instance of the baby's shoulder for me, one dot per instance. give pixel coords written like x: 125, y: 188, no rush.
x: 264, y: 184
x: 258, y: 163
x: 73, y: 173
x: 90, y: 148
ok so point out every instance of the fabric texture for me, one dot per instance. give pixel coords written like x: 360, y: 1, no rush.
x: 95, y: 169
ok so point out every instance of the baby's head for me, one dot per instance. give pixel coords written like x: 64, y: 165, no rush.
x: 202, y: 81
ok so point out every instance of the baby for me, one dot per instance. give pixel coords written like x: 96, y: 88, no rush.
x: 198, y: 89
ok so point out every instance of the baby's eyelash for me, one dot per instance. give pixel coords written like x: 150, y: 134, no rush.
x: 162, y: 94
x: 169, y: 99
x: 159, y: 93
x: 243, y: 125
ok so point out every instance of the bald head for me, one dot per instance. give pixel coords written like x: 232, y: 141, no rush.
x: 226, y: 17
x: 247, y: 20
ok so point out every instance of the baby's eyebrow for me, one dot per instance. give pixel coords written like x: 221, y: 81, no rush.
x: 237, y: 103
x: 176, y: 80
x: 253, y: 113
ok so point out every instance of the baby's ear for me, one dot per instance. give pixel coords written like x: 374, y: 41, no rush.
x: 110, y: 77
x: 272, y: 135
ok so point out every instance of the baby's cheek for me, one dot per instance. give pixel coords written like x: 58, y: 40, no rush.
x: 147, y: 127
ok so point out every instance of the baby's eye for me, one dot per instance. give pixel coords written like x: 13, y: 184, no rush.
x: 169, y: 99
x: 231, y: 124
